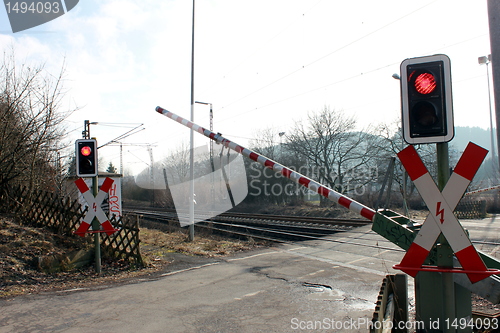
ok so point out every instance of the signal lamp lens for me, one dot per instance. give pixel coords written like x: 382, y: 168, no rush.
x: 425, y: 83
x: 86, y: 150
x: 424, y: 114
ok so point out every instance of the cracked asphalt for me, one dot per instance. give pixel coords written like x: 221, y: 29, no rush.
x: 304, y: 286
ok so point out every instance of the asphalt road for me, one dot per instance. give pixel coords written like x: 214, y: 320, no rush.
x: 322, y: 285
x: 328, y: 284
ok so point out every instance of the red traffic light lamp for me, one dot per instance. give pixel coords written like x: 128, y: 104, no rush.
x: 427, y: 110
x: 86, y: 157
x: 86, y: 150
x: 425, y: 83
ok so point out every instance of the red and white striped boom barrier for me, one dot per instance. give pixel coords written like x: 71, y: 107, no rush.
x: 312, y: 185
x: 483, y: 190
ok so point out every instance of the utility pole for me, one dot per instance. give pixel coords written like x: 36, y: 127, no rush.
x: 211, y: 128
x: 486, y: 60
x: 494, y: 21
x: 212, y: 188
x: 191, y: 141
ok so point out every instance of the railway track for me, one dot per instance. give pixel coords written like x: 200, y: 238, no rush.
x: 298, y: 219
x: 264, y: 226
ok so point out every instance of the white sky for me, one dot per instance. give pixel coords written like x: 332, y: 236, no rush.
x: 261, y: 63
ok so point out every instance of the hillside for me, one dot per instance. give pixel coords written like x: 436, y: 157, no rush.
x: 478, y: 135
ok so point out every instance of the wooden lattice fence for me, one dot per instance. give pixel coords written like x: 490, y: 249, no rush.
x: 125, y: 242
x: 64, y: 215
x: 45, y: 209
x: 471, y: 210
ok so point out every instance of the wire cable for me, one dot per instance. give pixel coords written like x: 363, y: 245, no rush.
x: 261, y: 47
x: 327, y: 55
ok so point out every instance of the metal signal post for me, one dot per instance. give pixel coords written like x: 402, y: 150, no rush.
x: 86, y: 166
x: 427, y: 117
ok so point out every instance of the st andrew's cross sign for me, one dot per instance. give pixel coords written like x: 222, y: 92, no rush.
x: 441, y: 218
x: 95, y: 209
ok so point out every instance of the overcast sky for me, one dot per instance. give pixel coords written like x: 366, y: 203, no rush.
x: 260, y: 63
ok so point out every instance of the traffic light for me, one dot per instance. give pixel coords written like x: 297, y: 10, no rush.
x: 427, y: 110
x: 86, y: 158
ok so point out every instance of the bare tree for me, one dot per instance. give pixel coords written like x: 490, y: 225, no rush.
x: 336, y: 154
x: 177, y: 164
x: 266, y: 143
x: 30, y: 124
x: 267, y: 186
x: 392, y: 142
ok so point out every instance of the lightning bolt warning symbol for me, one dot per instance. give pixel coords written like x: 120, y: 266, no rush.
x: 440, y: 211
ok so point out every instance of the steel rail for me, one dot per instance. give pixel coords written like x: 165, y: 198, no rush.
x: 219, y: 226
x: 326, y: 221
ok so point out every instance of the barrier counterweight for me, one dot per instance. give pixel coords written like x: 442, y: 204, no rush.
x: 312, y: 185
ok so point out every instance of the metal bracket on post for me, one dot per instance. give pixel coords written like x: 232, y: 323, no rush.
x: 395, y: 228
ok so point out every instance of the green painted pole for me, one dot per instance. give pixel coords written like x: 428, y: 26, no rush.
x: 96, y: 226
x: 458, y: 299
x: 444, y: 251
x: 439, y: 301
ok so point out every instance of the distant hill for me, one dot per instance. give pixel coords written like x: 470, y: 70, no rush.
x: 478, y: 135
x: 485, y: 176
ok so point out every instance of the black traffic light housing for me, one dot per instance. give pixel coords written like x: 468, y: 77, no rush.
x: 427, y: 110
x: 86, y: 157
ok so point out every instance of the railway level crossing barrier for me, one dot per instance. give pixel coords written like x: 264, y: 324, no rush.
x: 396, y: 228
x: 312, y: 185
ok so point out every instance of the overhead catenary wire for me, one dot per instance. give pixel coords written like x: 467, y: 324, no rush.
x: 279, y: 98
x: 262, y: 46
x: 133, y: 131
x: 339, y: 81
x: 308, y: 91
x: 319, y: 59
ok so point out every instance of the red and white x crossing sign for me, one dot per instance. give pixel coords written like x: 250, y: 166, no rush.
x: 441, y: 218
x: 95, y: 209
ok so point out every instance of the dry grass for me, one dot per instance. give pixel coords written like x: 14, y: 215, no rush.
x: 203, y: 245
x: 20, y: 246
